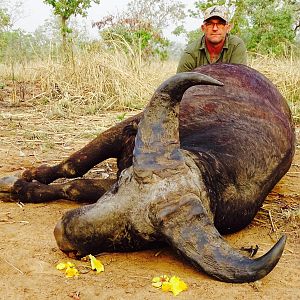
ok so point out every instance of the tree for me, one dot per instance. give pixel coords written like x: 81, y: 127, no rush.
x: 141, y: 25
x: 67, y: 8
x: 10, y: 13
x: 272, y: 28
x: 133, y: 34
x: 4, y: 19
x: 159, y: 13
x: 9, y: 38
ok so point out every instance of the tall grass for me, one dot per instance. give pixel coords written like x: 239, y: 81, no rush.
x: 97, y: 79
x: 94, y: 80
x: 285, y: 74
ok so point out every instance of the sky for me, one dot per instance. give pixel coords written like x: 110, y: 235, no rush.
x: 35, y: 12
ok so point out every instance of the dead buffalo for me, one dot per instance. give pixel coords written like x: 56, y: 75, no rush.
x: 184, y: 176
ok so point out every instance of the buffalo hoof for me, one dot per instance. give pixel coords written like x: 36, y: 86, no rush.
x: 6, y: 188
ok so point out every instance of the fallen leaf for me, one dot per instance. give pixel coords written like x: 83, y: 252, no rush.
x: 70, y: 264
x: 96, y: 264
x: 61, y: 266
x: 69, y: 267
x: 71, y: 272
x: 173, y: 284
x: 158, y: 281
x: 177, y: 285
x: 166, y: 287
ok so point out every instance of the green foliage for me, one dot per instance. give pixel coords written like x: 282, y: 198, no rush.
x: 4, y: 19
x: 203, y: 5
x: 159, y: 13
x: 65, y: 9
x: 179, y: 30
x: 272, y: 30
x: 121, y: 117
x: 16, y: 46
x: 138, y: 35
x: 4, y: 23
x: 194, y: 34
x: 68, y: 8
x: 239, y: 21
x: 140, y: 26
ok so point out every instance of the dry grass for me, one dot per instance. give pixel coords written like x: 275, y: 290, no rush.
x: 94, y: 81
x: 285, y: 74
x: 280, y: 211
x: 98, y: 80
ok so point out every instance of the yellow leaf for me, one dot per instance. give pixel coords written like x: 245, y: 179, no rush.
x: 173, y: 284
x: 158, y: 281
x: 61, y: 266
x: 69, y: 264
x: 177, y: 285
x: 71, y: 272
x: 157, y: 284
x: 96, y: 264
x: 161, y: 278
x: 166, y: 287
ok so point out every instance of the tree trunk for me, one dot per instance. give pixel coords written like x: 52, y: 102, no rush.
x: 63, y: 30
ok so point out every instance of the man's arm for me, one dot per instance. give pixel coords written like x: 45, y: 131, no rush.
x: 239, y: 54
x: 186, y: 63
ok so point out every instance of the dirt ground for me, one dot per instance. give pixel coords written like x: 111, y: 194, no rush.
x: 29, y: 136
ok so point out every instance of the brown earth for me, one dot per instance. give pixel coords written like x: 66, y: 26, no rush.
x: 30, y: 136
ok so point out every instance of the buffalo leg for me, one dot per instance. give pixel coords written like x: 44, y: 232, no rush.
x: 78, y: 190
x: 112, y: 143
x: 116, y: 142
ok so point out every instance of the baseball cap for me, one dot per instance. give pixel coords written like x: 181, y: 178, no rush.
x: 216, y: 11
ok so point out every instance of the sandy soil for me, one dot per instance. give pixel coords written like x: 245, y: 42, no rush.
x: 29, y: 253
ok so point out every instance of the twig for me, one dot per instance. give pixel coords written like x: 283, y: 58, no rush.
x: 271, y: 220
x: 289, y: 250
x: 37, y: 96
x: 12, y: 222
x: 135, y: 276
x: 158, y: 253
x: 13, y: 266
x: 20, y: 204
x: 260, y: 221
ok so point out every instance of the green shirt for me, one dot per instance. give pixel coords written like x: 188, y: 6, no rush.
x: 196, y: 54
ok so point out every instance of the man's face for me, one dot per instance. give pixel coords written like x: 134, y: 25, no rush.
x: 215, y: 30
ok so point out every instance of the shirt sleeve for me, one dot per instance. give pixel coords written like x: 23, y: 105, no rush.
x: 186, y: 63
x: 239, y: 54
